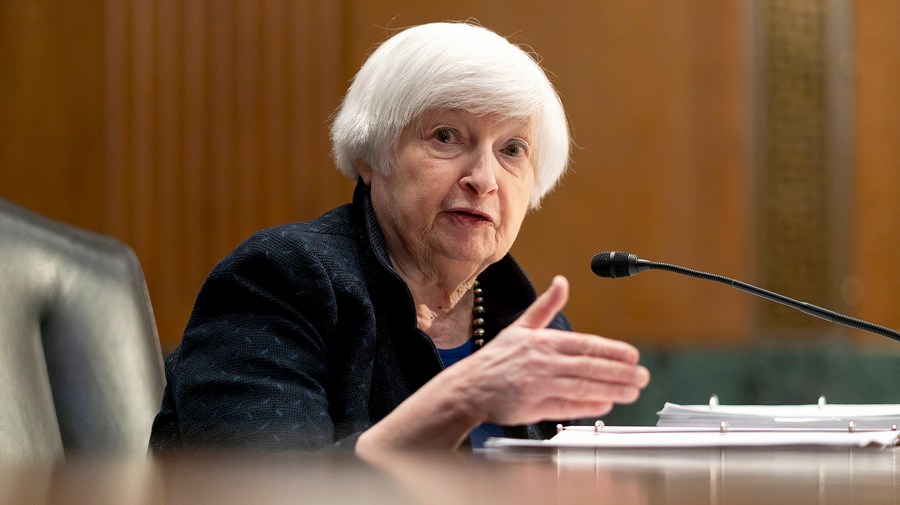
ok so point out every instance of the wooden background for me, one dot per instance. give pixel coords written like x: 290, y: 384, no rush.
x: 181, y: 127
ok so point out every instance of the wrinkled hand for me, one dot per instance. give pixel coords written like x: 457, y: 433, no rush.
x: 530, y: 373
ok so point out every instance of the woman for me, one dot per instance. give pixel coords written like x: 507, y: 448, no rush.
x: 342, y: 330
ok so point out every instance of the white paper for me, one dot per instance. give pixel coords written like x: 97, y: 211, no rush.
x: 838, y: 416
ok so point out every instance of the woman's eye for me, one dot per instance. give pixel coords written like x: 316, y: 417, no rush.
x: 514, y: 149
x: 445, y: 135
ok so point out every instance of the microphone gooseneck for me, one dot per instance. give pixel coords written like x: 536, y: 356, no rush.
x: 619, y: 264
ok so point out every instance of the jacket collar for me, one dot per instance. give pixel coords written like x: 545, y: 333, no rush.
x: 362, y: 203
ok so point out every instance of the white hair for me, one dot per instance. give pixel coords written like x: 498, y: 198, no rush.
x: 448, y: 66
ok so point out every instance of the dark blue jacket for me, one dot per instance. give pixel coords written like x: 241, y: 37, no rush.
x: 305, y: 336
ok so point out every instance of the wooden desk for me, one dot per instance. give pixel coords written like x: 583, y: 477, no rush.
x: 497, y: 478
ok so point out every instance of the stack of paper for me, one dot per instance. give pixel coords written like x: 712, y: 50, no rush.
x: 698, y: 426
x: 832, y: 416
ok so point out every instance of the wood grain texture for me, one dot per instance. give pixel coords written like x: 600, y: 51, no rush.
x: 182, y: 127
x: 874, y: 291
x: 218, y: 114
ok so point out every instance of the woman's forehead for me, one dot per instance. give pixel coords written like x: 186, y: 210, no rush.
x: 437, y: 115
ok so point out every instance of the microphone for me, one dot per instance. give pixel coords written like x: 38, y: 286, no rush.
x: 613, y: 264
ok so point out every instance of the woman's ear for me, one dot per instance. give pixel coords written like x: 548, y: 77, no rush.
x: 365, y: 171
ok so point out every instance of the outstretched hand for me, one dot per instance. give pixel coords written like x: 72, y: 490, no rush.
x: 530, y: 373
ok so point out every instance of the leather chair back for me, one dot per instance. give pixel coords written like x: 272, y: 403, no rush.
x: 80, y: 362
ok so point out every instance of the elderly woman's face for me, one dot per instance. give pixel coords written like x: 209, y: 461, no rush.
x: 460, y: 190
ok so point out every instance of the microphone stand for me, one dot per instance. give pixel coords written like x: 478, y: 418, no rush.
x: 625, y: 265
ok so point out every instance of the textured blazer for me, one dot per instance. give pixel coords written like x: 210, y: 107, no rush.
x: 304, y: 336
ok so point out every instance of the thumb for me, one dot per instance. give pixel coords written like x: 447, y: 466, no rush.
x: 544, y: 309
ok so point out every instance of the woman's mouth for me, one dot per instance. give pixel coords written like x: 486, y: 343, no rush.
x: 471, y: 216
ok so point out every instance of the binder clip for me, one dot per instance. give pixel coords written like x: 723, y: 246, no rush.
x: 723, y: 427
x: 713, y: 401
x: 851, y: 426
x: 598, y: 425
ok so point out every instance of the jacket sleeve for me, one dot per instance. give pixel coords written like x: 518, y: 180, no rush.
x: 253, y: 370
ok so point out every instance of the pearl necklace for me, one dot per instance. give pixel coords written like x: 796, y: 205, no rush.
x: 478, y: 317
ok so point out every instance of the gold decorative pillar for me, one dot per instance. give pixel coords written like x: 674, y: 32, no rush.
x: 802, y: 167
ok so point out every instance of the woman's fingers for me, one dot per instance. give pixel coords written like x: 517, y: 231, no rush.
x: 531, y: 372
x: 590, y: 391
x: 544, y: 362
x: 581, y: 378
x: 565, y: 398
x: 545, y: 308
x: 603, y: 370
x: 576, y: 344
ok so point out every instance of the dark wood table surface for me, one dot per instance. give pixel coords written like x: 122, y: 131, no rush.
x: 730, y: 476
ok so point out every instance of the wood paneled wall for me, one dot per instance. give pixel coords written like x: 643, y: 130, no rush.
x: 51, y: 108
x: 182, y: 127
x: 216, y: 122
x: 874, y: 288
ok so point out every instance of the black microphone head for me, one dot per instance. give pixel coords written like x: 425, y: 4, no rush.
x: 612, y: 264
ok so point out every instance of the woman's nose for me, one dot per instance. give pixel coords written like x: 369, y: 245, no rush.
x: 481, y: 176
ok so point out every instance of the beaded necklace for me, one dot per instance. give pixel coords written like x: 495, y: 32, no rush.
x: 478, y: 317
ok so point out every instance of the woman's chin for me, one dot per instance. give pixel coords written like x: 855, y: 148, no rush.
x: 476, y: 246
x: 475, y: 254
